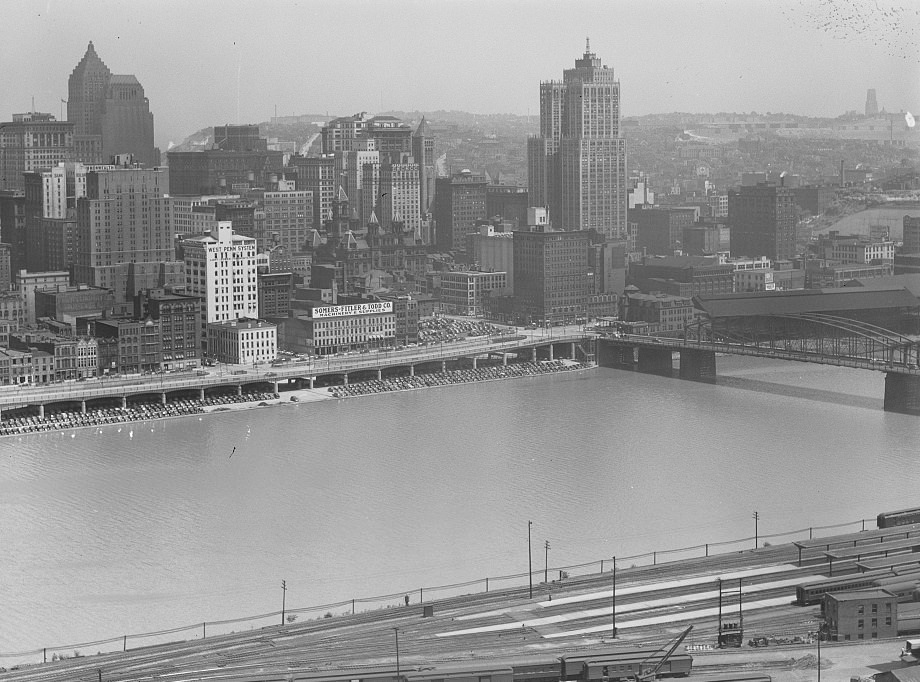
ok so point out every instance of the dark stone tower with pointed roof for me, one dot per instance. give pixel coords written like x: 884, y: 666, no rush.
x: 110, y: 114
x: 423, y: 154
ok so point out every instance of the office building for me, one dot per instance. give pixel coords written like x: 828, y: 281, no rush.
x: 28, y: 282
x: 13, y: 226
x: 661, y: 230
x: 762, y: 221
x: 492, y: 251
x: 31, y: 142
x: 317, y: 175
x: 6, y: 270
x: 459, y: 207
x: 227, y: 169
x: 121, y: 220
x: 179, y: 316
x: 220, y: 267
x: 110, y: 114
x: 577, y: 164
x: 463, y: 292
x: 243, y: 342
x: 550, y: 275
x: 683, y: 276
x: 911, y: 235
x: 508, y: 202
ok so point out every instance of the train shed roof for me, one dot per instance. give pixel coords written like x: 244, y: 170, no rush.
x: 766, y: 303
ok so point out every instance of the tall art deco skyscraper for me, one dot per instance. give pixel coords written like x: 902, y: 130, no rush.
x: 577, y: 165
x: 110, y: 114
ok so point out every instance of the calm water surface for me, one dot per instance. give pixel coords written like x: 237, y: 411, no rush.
x: 152, y: 526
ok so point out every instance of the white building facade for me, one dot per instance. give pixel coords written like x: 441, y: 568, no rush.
x: 221, y: 268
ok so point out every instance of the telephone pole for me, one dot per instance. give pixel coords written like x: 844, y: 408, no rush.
x: 283, y: 598
x: 529, y: 560
x: 756, y: 536
x: 613, y: 602
x: 396, y: 630
x: 546, y: 562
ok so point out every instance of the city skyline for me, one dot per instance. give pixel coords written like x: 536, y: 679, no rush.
x: 807, y: 57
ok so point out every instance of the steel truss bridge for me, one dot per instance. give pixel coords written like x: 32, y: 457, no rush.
x: 804, y: 337
x: 811, y: 337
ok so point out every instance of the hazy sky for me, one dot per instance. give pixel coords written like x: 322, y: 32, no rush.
x: 206, y: 62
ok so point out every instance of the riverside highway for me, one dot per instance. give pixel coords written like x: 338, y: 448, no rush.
x: 236, y: 375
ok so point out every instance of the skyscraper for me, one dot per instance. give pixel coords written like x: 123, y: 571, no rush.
x: 762, y: 221
x: 871, y: 103
x: 577, y: 165
x: 121, y: 220
x: 31, y: 142
x: 110, y: 114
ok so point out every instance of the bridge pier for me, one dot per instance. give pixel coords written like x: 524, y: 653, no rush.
x: 551, y: 352
x: 474, y: 362
x: 124, y: 402
x: 41, y: 411
x: 345, y: 379
x: 572, y: 349
x: 312, y: 379
x: 698, y: 365
x: 274, y: 387
x: 533, y: 354
x: 656, y: 360
x: 902, y: 393
x: 504, y: 359
x: 379, y: 374
x: 201, y: 394
x: 82, y: 407
x: 239, y: 389
x: 615, y: 355
x: 411, y: 370
x: 162, y: 397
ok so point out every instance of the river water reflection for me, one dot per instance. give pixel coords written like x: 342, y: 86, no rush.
x: 133, y: 529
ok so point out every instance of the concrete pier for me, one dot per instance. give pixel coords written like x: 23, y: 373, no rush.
x: 902, y: 393
x: 550, y: 351
x: 411, y: 370
x: 201, y: 394
x: 533, y: 354
x: 443, y: 365
x: 656, y: 360
x: 124, y: 402
x: 163, y: 398
x: 698, y: 365
x: 41, y: 411
x: 345, y: 379
x: 379, y: 374
x: 572, y: 350
x: 239, y: 389
x: 82, y: 407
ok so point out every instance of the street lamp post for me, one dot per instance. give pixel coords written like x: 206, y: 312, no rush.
x: 613, y: 600
x: 396, y: 631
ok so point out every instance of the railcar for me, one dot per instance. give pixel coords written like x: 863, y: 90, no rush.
x: 902, y: 517
x: 733, y: 677
x: 625, y: 664
x: 813, y: 593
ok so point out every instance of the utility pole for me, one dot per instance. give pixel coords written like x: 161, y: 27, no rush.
x: 396, y: 630
x: 756, y: 535
x: 613, y: 610
x: 529, y: 560
x: 283, y: 598
x: 546, y: 562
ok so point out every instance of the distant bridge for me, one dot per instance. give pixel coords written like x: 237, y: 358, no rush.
x: 547, y: 344
x: 804, y: 337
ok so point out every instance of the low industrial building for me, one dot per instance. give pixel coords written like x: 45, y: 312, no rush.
x: 326, y: 330
x: 862, y: 614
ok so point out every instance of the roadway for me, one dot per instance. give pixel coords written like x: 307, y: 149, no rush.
x: 235, y: 375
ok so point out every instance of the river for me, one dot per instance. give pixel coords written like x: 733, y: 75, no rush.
x: 137, y: 528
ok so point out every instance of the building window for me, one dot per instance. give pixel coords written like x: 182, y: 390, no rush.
x: 859, y: 624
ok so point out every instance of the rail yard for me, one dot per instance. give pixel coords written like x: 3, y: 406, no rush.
x: 506, y: 636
